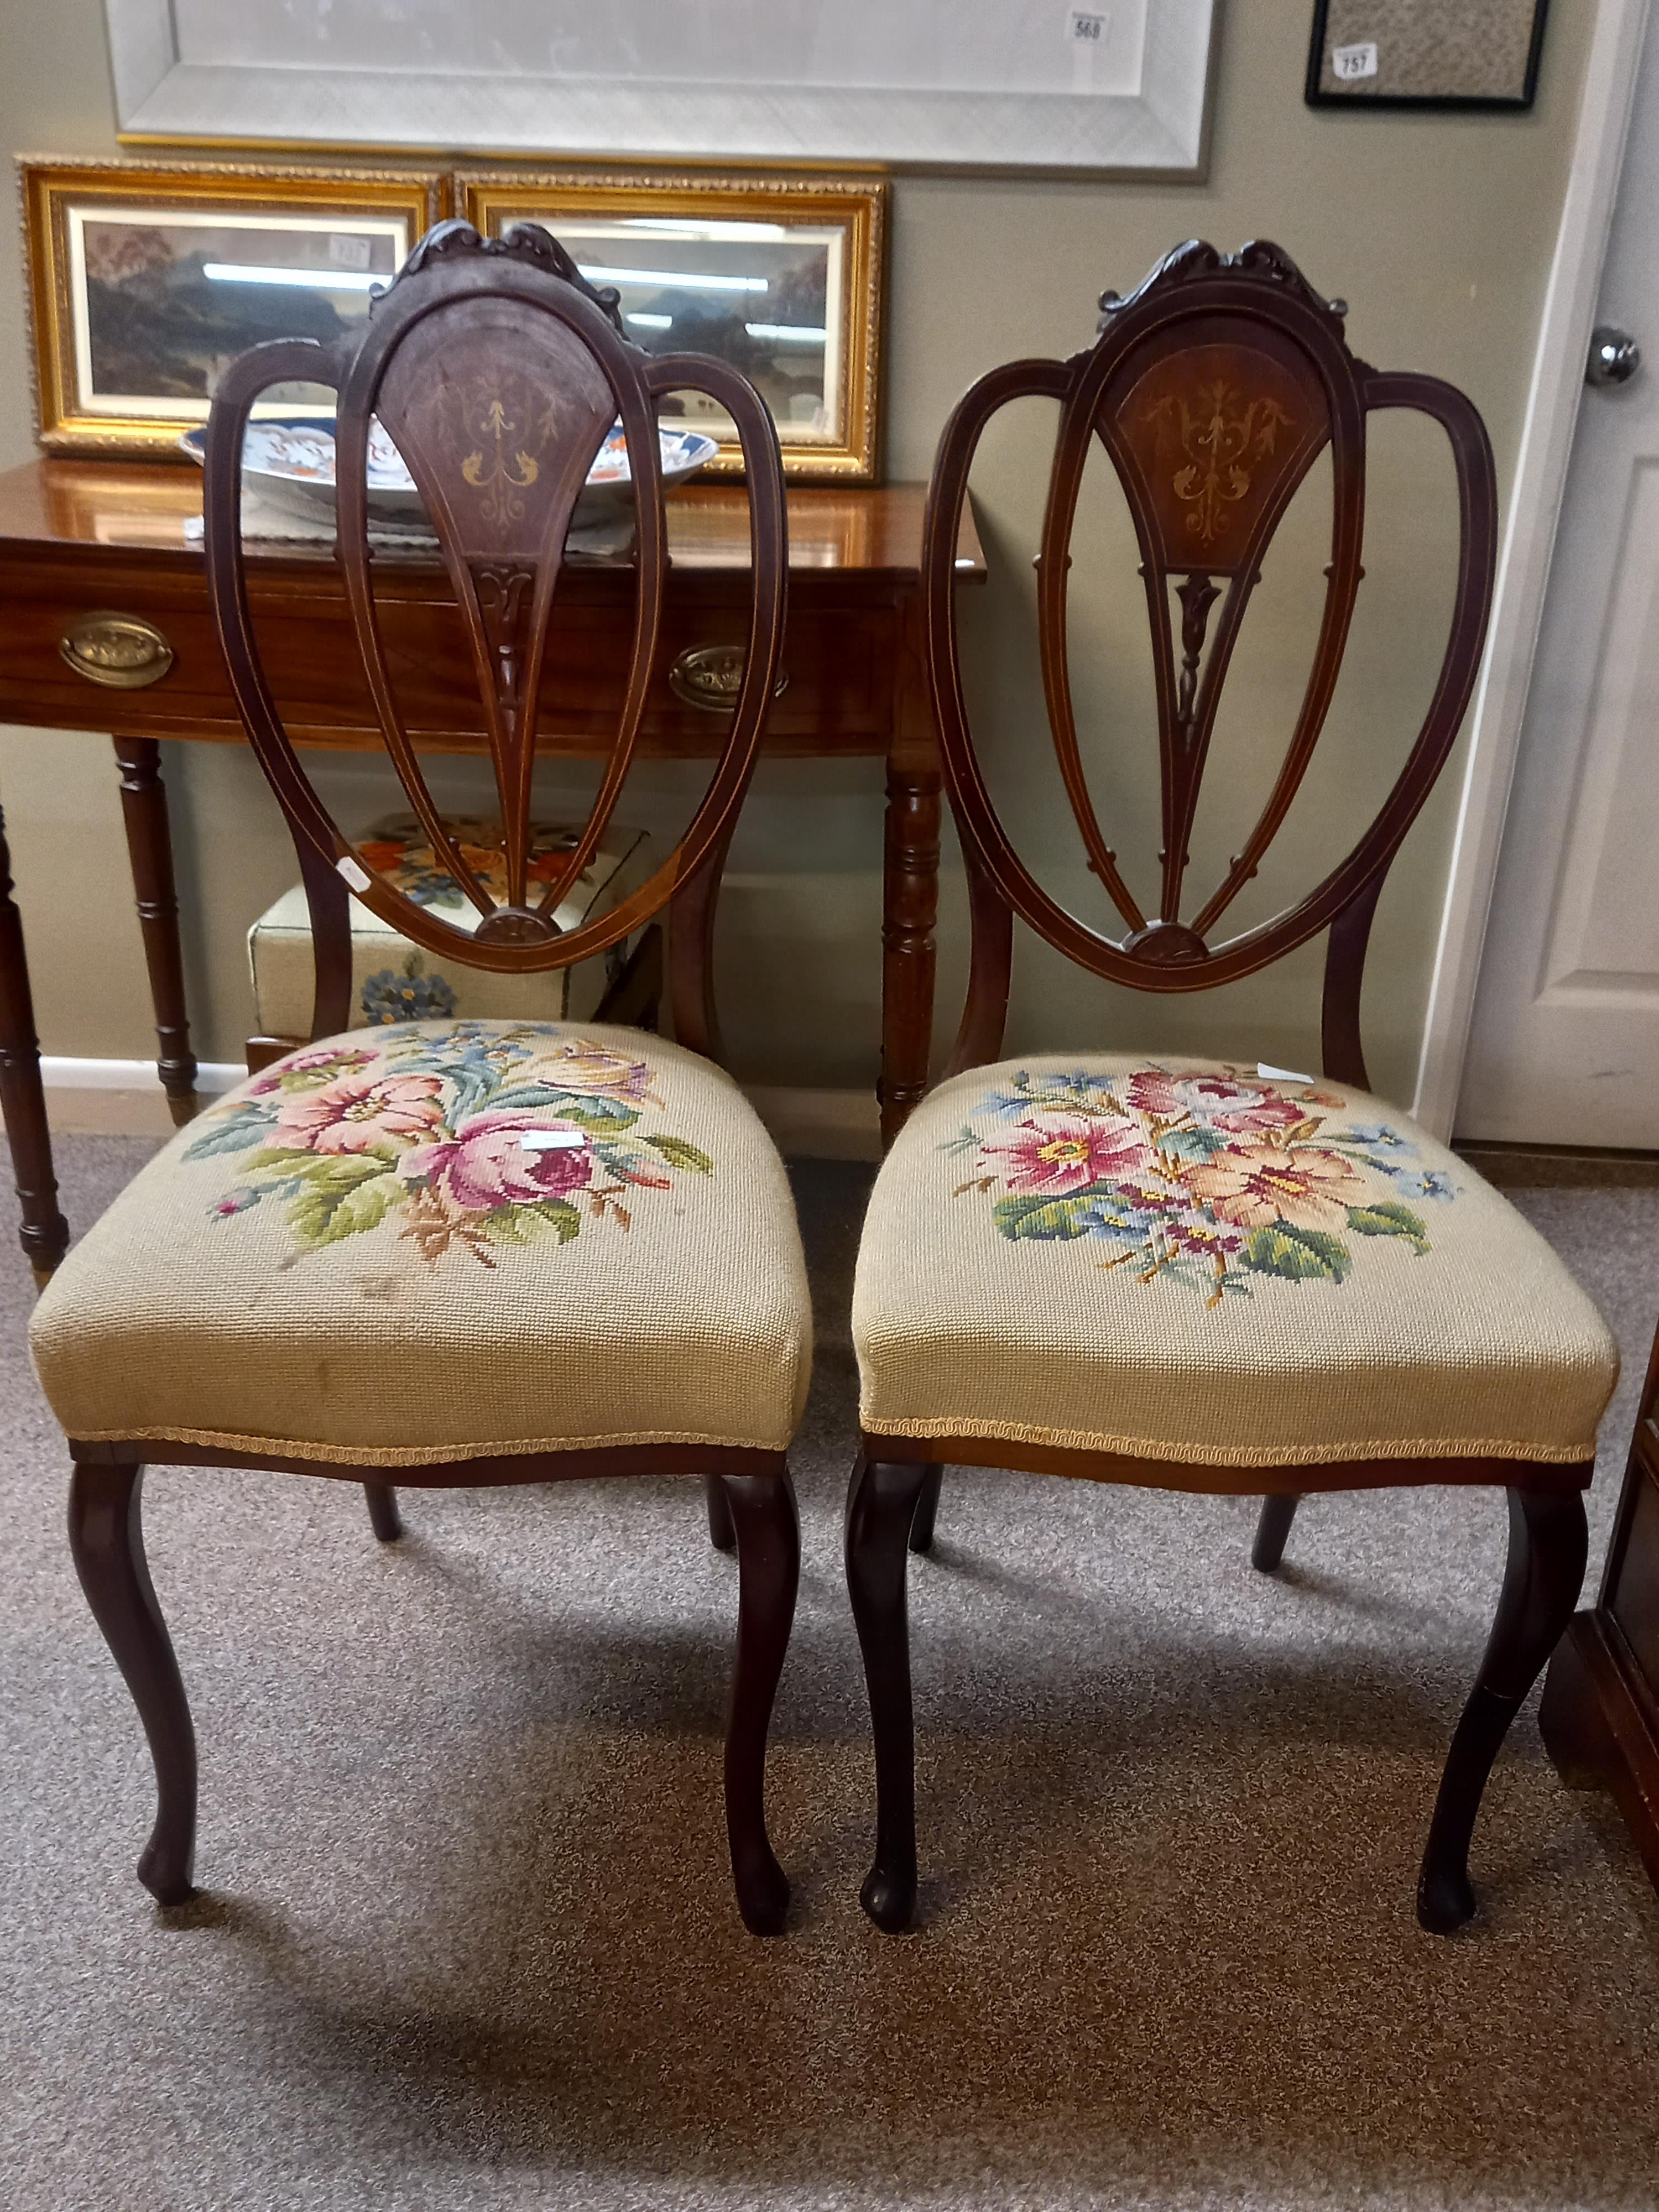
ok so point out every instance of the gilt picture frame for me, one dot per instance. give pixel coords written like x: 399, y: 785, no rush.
x: 145, y: 279
x: 782, y: 276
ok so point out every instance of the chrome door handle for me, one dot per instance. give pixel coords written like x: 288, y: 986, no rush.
x: 1614, y: 355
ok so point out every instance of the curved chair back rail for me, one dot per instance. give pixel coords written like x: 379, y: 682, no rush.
x: 497, y: 370
x: 1212, y: 389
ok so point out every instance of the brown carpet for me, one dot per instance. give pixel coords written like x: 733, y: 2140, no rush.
x: 467, y: 1939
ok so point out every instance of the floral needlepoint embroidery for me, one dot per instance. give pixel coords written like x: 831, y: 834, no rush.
x: 402, y: 853
x: 1201, y: 1177
x: 406, y: 995
x: 471, y: 1136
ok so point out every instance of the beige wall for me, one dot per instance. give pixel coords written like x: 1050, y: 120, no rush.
x: 1438, y: 228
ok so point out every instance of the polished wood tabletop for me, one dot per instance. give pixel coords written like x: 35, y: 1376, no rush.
x: 54, y: 507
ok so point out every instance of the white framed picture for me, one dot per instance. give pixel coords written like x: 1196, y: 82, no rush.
x: 1110, y: 87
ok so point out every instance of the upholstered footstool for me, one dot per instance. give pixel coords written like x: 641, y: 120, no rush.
x: 395, y: 981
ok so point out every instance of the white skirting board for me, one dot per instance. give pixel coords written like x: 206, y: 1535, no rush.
x: 120, y: 1097
x: 125, y: 1098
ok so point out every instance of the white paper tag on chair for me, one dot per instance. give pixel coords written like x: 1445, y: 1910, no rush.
x: 552, y: 1141
x: 1280, y: 1074
x: 354, y: 871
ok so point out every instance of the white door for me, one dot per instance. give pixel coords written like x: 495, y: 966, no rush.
x: 1565, y: 1049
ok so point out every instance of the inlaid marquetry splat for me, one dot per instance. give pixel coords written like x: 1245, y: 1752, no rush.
x: 1219, y: 439
x: 501, y: 466
x: 1217, y: 435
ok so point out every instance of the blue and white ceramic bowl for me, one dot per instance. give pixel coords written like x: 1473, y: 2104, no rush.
x: 290, y: 464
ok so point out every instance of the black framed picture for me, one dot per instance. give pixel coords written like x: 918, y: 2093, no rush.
x: 1424, y: 53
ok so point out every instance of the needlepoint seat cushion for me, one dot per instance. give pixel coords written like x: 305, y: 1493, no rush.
x: 1182, y: 1261
x: 440, y: 1240
x: 393, y: 980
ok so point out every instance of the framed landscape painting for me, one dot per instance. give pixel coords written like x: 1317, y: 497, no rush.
x: 145, y: 282
x: 780, y: 277
x: 1098, y: 88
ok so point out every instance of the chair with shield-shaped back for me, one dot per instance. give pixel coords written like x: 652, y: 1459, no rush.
x: 457, y: 1252
x: 1160, y: 1269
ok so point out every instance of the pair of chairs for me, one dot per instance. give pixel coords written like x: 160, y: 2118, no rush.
x: 486, y: 1251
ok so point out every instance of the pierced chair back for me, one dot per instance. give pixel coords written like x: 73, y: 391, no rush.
x: 1213, y: 388
x: 498, y: 370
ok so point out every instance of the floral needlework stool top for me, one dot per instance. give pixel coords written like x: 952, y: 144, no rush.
x: 401, y: 1246
x: 400, y: 850
x: 1205, y: 1179
x: 468, y: 1139
x: 1202, y: 1263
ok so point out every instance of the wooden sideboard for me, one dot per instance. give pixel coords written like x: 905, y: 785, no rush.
x: 81, y: 540
x: 1600, y: 1717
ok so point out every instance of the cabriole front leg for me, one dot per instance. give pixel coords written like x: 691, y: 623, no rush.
x: 881, y: 1509
x: 106, y: 1538
x: 1545, y: 1571
x: 768, y: 1531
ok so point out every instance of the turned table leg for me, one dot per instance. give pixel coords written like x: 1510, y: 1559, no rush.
x: 44, y: 1233
x: 150, y: 850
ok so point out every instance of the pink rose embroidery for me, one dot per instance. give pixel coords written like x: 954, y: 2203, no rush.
x: 344, y: 1138
x: 1260, y: 1116
x: 326, y: 1056
x: 355, y: 1116
x: 319, y: 1057
x: 486, y: 1165
x: 1217, y: 1101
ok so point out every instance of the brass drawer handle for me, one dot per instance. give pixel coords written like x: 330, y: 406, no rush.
x: 710, y: 677
x: 124, y: 653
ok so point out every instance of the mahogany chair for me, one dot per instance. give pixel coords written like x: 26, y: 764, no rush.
x: 450, y: 1253
x: 1146, y: 1268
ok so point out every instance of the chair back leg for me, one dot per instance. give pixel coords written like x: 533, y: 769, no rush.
x: 722, y: 1534
x: 921, y: 1528
x: 106, y: 1538
x: 383, y: 1515
x: 1271, y: 1531
x: 1549, y: 1542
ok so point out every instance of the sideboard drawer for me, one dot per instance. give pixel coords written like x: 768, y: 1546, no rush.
x: 74, y: 656
x: 141, y: 656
